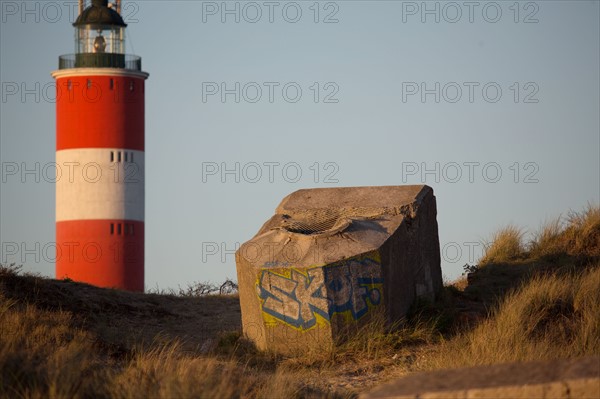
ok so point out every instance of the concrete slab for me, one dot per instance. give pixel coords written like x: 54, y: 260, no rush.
x: 560, y: 379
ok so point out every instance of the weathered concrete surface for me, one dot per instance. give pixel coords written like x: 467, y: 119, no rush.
x: 560, y: 379
x: 330, y: 258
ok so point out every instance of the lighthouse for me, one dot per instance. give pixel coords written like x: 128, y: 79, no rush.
x: 100, y: 154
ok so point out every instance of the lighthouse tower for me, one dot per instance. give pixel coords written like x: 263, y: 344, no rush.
x: 100, y: 154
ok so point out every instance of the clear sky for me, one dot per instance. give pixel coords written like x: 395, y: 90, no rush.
x: 498, y: 102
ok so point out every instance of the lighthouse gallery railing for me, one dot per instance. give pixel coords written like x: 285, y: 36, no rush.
x: 100, y: 60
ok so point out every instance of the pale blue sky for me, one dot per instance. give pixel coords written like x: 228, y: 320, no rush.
x: 374, y: 53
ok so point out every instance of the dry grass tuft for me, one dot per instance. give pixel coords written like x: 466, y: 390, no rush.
x: 459, y: 284
x: 583, y: 231
x: 553, y: 316
x: 548, y: 239
x: 167, y: 372
x: 506, y: 246
x: 578, y: 235
x: 377, y: 338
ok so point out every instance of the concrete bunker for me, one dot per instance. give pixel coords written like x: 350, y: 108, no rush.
x: 330, y: 258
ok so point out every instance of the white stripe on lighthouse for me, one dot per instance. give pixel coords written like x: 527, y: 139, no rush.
x: 100, y: 183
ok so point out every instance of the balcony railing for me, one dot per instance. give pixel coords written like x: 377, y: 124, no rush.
x: 100, y: 60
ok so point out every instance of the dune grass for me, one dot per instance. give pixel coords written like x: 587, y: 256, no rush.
x: 374, y: 340
x: 552, y: 303
x: 41, y: 355
x: 44, y: 354
x: 577, y: 234
x: 553, y: 316
x: 167, y: 372
x: 506, y: 246
x: 548, y: 240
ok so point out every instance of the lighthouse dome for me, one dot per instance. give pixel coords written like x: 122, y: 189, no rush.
x: 99, y: 14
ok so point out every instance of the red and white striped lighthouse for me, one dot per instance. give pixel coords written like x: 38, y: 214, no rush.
x: 100, y: 154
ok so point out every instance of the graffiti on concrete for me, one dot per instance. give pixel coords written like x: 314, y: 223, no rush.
x: 304, y: 298
x: 352, y: 284
x: 296, y: 299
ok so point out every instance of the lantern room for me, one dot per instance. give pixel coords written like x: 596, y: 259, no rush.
x: 100, y: 37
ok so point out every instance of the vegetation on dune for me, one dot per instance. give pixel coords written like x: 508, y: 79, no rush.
x: 524, y: 301
x: 506, y: 246
x: 578, y: 234
x: 43, y: 354
x: 552, y: 316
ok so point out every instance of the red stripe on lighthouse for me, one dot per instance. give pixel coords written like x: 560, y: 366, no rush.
x: 96, y: 111
x: 104, y: 253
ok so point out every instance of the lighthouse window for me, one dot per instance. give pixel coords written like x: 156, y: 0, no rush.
x: 119, y: 229
x: 126, y: 156
x: 69, y: 85
x: 119, y: 156
x: 89, y: 83
x: 112, y: 228
x: 131, y: 157
x: 112, y: 84
x: 128, y: 229
x: 112, y: 156
x: 131, y: 85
